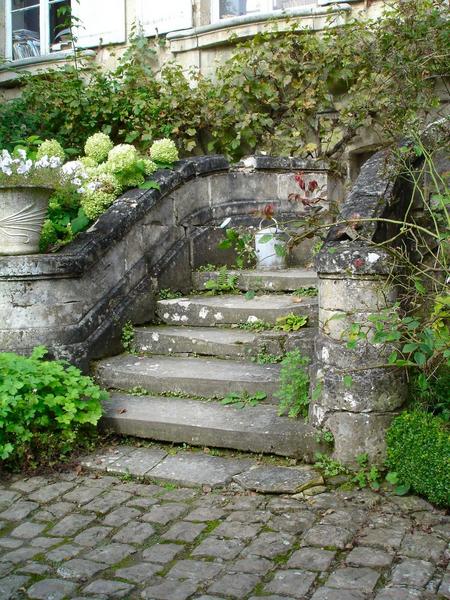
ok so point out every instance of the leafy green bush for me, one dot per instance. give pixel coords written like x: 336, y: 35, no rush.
x: 294, y: 385
x: 46, y: 408
x: 418, y: 450
x: 274, y: 86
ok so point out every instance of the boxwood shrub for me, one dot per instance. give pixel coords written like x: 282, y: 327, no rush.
x: 46, y: 409
x: 418, y: 450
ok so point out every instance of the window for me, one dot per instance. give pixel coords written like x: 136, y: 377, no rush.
x: 36, y: 27
x: 39, y: 27
x: 225, y: 9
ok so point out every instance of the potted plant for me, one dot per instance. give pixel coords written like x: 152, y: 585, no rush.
x: 26, y: 184
x: 270, y: 242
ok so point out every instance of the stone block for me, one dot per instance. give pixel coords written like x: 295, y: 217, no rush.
x: 355, y: 295
x: 371, y: 390
x: 356, y: 434
x: 204, y: 247
x: 330, y: 353
x: 193, y: 197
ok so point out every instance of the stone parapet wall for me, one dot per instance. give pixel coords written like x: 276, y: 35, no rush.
x: 76, y: 301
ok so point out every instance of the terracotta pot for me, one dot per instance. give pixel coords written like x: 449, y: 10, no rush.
x: 22, y: 214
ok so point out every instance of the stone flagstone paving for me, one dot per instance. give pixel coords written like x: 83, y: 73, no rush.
x: 101, y: 535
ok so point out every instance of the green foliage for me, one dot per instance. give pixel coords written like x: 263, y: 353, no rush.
x: 209, y: 267
x: 168, y: 294
x: 368, y: 475
x: 256, y: 326
x: 418, y: 451
x: 291, y: 322
x: 294, y: 385
x: 265, y: 358
x: 222, y: 283
x: 242, y: 242
x: 328, y: 466
x: 325, y: 435
x: 274, y: 85
x: 128, y: 337
x: 46, y: 408
x: 306, y: 291
x: 243, y: 399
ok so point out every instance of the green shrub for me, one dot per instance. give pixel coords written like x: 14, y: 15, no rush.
x: 46, y: 408
x: 274, y: 84
x: 418, y: 450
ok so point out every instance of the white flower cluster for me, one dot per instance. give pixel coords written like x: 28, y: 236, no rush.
x: 21, y: 165
x: 74, y: 173
x: 46, y: 171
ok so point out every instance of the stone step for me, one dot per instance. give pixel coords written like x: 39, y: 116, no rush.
x: 193, y: 376
x: 209, y: 311
x: 200, y: 423
x: 286, y: 280
x: 221, y: 342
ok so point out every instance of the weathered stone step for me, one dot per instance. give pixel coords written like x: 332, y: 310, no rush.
x: 199, y: 423
x: 208, y: 311
x: 194, y: 376
x: 286, y: 280
x: 221, y: 342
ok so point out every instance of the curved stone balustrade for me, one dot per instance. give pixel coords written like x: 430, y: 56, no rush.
x: 76, y: 301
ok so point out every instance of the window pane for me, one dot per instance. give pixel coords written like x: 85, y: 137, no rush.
x: 59, y: 26
x: 25, y: 33
x: 24, y: 3
x: 233, y: 8
x: 282, y: 4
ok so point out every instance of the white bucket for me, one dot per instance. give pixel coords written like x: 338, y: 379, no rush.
x: 266, y: 256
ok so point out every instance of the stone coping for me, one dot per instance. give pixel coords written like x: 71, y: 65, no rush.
x: 74, y: 259
x: 322, y: 8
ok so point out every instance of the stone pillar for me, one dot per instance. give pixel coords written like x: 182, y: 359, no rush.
x: 354, y: 394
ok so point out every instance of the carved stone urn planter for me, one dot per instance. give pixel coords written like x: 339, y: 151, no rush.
x: 22, y: 214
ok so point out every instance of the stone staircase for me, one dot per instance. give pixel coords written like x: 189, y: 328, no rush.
x: 170, y: 388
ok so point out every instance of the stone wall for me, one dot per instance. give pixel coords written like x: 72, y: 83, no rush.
x: 76, y: 301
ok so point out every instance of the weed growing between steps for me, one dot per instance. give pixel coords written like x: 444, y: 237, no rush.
x: 127, y: 337
x: 294, y: 385
x: 140, y: 391
x: 223, y: 283
x: 306, y: 292
x: 265, y: 358
x: 168, y: 294
x: 256, y: 326
x: 291, y: 322
x: 244, y: 399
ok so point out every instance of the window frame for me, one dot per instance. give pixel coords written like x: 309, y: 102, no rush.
x: 44, y: 28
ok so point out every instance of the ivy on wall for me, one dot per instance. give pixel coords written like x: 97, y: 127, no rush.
x: 292, y: 92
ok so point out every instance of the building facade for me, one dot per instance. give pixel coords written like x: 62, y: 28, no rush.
x: 34, y: 33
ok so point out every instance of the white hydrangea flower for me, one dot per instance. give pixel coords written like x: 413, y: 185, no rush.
x: 24, y: 167
x: 42, y: 163
x: 55, y: 162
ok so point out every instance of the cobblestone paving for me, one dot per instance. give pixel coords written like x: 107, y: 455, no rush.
x: 97, y: 536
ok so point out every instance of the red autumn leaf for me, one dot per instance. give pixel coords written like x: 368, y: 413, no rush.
x: 312, y: 185
x: 300, y: 179
x: 268, y: 211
